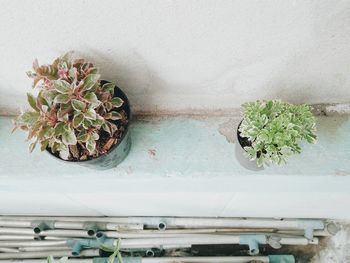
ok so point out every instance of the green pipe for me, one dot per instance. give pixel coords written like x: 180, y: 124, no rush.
x: 281, y: 259
x: 309, y: 226
x: 78, y: 245
x: 105, y: 241
x: 101, y: 242
x: 253, y: 241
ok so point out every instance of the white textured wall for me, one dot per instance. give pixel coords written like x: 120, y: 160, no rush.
x: 178, y: 55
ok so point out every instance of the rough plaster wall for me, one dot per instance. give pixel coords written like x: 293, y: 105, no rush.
x: 180, y: 55
x: 336, y: 249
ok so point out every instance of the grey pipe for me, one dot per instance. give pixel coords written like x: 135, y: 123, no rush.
x: 37, y: 249
x: 32, y: 243
x: 185, y: 222
x: 8, y: 250
x: 237, y: 259
x: 44, y: 254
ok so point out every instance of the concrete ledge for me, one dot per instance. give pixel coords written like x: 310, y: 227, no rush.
x: 181, y: 166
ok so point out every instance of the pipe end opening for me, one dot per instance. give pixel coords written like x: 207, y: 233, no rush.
x: 37, y: 230
x: 99, y: 234
x: 91, y: 232
x: 254, y: 251
x: 149, y: 253
x: 162, y: 226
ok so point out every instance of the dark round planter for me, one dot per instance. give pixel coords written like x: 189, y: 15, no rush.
x: 240, y: 152
x: 118, y: 152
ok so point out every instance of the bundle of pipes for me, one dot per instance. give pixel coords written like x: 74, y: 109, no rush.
x: 238, y: 259
x: 38, y: 237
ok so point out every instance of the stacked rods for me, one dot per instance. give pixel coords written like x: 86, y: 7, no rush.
x: 38, y: 237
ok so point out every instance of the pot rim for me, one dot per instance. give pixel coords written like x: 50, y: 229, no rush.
x: 238, y: 135
x: 125, y: 133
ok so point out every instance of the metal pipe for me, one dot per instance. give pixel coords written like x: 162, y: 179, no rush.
x: 32, y: 243
x: 206, y: 240
x: 14, y: 223
x: 230, y: 259
x: 44, y: 260
x: 206, y: 259
x: 39, y: 225
x: 44, y: 254
x: 185, y: 222
x: 10, y: 250
x: 36, y: 249
x: 53, y: 233
x: 12, y: 237
x: 27, y: 233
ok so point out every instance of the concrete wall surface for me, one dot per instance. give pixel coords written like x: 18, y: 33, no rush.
x: 186, y: 54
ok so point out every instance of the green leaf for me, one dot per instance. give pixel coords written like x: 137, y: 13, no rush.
x: 117, y: 102
x: 32, y: 101
x: 32, y: 146
x: 114, y: 127
x: 50, y: 259
x: 77, y: 120
x: 62, y: 98
x: 109, y: 106
x: 62, y: 86
x: 99, y: 121
x: 46, y: 132
x: 260, y: 161
x: 90, y: 114
x: 60, y: 128
x: 90, y: 81
x: 67, y: 57
x: 78, y: 105
x: 114, y: 116
x: 72, y: 72
x: 86, y: 123
x: 91, y: 97
x: 69, y: 138
x: 106, y: 128
x: 311, y: 138
x: 29, y: 118
x: 64, y: 153
x: 91, y: 145
x: 44, y: 145
x: 95, y: 136
x: 109, y: 87
x: 83, y: 136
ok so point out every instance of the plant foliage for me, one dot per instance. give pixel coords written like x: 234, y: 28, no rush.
x: 71, y: 110
x: 274, y: 130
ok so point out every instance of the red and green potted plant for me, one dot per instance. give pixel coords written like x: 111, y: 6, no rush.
x: 76, y: 116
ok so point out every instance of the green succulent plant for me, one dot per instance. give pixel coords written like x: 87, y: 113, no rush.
x: 272, y: 130
x: 72, y: 110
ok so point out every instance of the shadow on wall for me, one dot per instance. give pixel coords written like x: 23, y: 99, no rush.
x: 15, y: 101
x: 322, y: 65
x: 131, y: 73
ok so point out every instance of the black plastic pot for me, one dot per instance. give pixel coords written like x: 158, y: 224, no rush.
x: 117, y: 153
x: 240, y: 152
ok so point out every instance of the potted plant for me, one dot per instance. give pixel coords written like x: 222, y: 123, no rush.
x: 77, y: 117
x: 271, y: 131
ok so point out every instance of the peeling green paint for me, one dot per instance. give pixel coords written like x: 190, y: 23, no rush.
x: 186, y: 147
